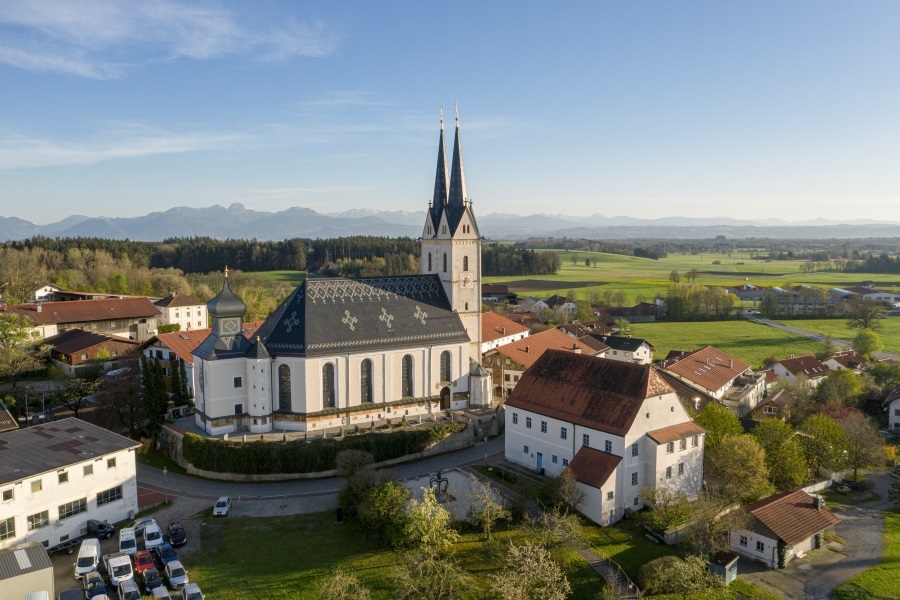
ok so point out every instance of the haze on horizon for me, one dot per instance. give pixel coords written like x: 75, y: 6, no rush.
x: 706, y: 109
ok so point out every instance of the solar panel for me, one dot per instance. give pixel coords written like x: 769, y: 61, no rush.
x: 22, y: 559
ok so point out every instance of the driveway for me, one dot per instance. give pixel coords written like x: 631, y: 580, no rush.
x: 817, y: 575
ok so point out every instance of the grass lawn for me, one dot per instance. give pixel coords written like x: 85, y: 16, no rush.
x: 751, y: 342
x: 292, y: 277
x: 837, y: 329
x: 288, y: 557
x: 882, y: 580
x: 625, y: 543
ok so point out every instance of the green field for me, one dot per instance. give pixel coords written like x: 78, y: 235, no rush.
x: 289, y: 557
x: 294, y: 278
x: 751, y: 342
x: 650, y: 277
x: 838, y: 329
x: 883, y: 580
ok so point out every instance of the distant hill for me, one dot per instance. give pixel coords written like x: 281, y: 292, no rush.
x: 237, y: 221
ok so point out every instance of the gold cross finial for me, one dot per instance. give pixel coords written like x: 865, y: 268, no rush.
x: 457, y: 112
x: 226, y: 271
x: 442, y: 116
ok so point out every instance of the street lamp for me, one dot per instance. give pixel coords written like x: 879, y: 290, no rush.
x: 166, y: 482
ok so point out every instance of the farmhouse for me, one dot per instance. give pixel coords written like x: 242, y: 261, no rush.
x: 54, y: 477
x: 618, y: 425
x: 182, y: 310
x: 792, y: 520
x: 77, y: 350
x: 132, y: 318
x: 801, y: 366
x: 627, y: 349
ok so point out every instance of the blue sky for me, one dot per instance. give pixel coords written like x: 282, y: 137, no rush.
x: 648, y: 109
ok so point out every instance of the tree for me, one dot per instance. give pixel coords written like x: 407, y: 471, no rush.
x: 864, y: 447
x: 828, y: 348
x: 76, y: 390
x: 120, y: 400
x: 824, y: 443
x: 668, y: 507
x: 623, y: 324
x: 864, y: 313
x: 156, y: 400
x: 427, y: 524
x: 18, y: 354
x: 684, y: 576
x: 182, y: 393
x: 381, y: 510
x: 713, y: 517
x: 342, y: 586
x: 674, y: 276
x: 720, y: 421
x: 554, y: 525
x: 738, y: 463
x: 530, y: 573
x: 868, y: 343
x: 784, y: 454
x: 562, y: 491
x: 430, y: 576
x: 840, y: 387
x: 800, y: 402
x: 587, y: 262
x: 486, y: 506
x: 20, y: 272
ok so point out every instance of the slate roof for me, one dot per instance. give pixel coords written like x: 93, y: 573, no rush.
x: 76, y: 340
x: 595, y: 344
x: 622, y: 343
x: 84, y: 311
x: 225, y: 303
x: 494, y: 288
x: 34, y: 450
x: 792, y: 516
x: 439, y: 200
x: 329, y: 315
x: 556, y: 300
x: 675, y: 432
x: 583, y: 328
x: 528, y: 350
x: 593, y: 467
x: 709, y: 368
x: 23, y: 559
x: 494, y: 327
x: 177, y: 300
x: 599, y: 393
x: 183, y: 343
x: 804, y: 365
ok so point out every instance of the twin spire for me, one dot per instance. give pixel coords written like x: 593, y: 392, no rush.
x: 451, y: 198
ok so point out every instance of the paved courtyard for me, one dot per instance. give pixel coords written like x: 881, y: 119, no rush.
x: 457, y: 501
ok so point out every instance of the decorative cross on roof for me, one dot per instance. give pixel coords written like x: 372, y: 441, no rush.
x: 420, y: 315
x: 349, y: 321
x: 292, y: 321
x: 385, y: 317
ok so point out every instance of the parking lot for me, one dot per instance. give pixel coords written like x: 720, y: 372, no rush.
x: 180, y: 509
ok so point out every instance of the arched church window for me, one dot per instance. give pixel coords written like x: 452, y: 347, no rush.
x: 429, y: 263
x: 445, y: 262
x: 406, y: 374
x: 284, y: 387
x: 365, y: 381
x: 445, y: 365
x: 465, y: 263
x: 328, y: 396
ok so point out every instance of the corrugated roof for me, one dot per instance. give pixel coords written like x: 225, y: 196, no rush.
x: 528, y: 350
x: 599, y: 393
x: 76, y: 340
x: 35, y: 450
x: 709, y: 368
x: 593, y: 467
x: 24, y: 558
x: 494, y: 327
x: 675, y: 432
x: 85, y: 311
x: 792, y: 516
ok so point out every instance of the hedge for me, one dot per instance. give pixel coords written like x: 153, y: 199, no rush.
x: 265, y: 458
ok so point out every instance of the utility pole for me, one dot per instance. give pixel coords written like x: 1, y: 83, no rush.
x: 166, y: 482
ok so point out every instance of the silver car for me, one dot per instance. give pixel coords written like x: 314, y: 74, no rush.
x: 191, y: 592
x: 128, y: 590
x: 176, y: 575
x: 222, y: 506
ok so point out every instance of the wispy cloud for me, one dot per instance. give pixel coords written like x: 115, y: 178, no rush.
x: 103, y: 39
x: 122, y: 140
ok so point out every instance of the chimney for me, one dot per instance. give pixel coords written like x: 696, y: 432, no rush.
x: 819, y: 501
x: 730, y: 363
x: 39, y: 307
x: 527, y: 349
x: 791, y: 356
x: 503, y: 331
x: 576, y: 349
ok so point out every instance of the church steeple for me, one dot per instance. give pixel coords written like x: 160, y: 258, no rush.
x: 458, y: 197
x: 439, y: 200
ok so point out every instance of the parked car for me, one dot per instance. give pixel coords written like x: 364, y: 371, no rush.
x: 177, y: 535
x: 152, y: 536
x: 165, y: 553
x: 161, y: 593
x: 93, y: 585
x: 176, y: 575
x: 128, y: 590
x: 151, y: 579
x: 191, y: 592
x: 223, y: 505
x: 127, y: 541
x: 88, y: 557
x: 843, y: 489
x: 100, y: 529
x: 140, y: 524
x: 143, y: 560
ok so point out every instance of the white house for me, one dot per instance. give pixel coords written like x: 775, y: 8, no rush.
x: 846, y: 359
x: 627, y: 349
x: 801, y: 366
x: 793, y: 519
x: 184, y: 310
x: 719, y: 375
x: 497, y: 330
x: 345, y: 352
x: 892, y: 406
x: 619, y: 426
x: 44, y: 292
x: 56, y: 476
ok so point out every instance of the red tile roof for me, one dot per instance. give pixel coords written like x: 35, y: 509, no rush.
x: 779, y: 398
x: 804, y: 365
x: 771, y: 377
x: 494, y: 327
x: 76, y: 340
x: 183, y: 343
x: 593, y: 467
x: 528, y: 350
x: 792, y: 516
x: 849, y: 359
x: 84, y: 311
x: 177, y: 300
x: 583, y: 328
x: 709, y: 368
x: 599, y: 393
x: 675, y: 432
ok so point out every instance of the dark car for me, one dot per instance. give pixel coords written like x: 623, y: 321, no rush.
x: 150, y: 579
x: 100, y: 529
x: 165, y: 554
x: 177, y: 535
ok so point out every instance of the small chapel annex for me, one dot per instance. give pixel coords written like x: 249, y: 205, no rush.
x: 342, y: 352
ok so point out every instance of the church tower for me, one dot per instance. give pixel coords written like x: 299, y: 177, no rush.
x: 451, y: 244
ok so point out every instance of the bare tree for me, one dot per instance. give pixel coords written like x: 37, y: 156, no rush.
x: 431, y: 576
x: 120, y: 400
x: 713, y: 517
x: 864, y: 447
x: 530, y: 573
x: 342, y: 586
x: 76, y: 391
x: 486, y: 506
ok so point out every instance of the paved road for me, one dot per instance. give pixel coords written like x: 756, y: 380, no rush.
x: 813, y: 336
x: 193, y: 487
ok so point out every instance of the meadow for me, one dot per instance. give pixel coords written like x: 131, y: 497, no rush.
x: 878, y: 582
x: 838, y: 329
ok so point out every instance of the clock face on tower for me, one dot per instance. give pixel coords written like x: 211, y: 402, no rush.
x: 467, y: 280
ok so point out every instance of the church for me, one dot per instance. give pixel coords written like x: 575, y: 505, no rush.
x: 341, y: 352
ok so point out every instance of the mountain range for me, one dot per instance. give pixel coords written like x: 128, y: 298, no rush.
x: 237, y: 221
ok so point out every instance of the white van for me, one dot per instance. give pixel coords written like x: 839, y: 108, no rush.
x: 88, y: 557
x: 127, y: 541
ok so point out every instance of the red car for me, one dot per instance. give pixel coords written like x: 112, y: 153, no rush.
x: 143, y: 560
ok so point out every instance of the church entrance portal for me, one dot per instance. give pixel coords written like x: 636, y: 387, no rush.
x: 445, y: 398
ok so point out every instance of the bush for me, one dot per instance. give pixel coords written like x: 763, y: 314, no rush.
x: 265, y: 458
x: 648, y: 571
